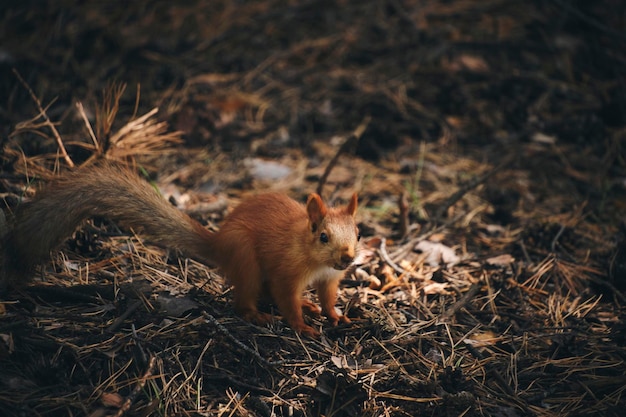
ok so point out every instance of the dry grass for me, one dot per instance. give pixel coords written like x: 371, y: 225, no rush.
x: 508, y: 309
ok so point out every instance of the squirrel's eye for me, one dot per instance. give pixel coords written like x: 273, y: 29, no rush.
x: 358, y: 236
x: 324, y: 238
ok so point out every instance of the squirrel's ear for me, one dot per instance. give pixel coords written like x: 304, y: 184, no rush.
x: 316, y: 209
x: 351, y: 208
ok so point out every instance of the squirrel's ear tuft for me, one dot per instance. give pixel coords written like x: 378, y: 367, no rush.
x: 316, y: 209
x: 352, y: 206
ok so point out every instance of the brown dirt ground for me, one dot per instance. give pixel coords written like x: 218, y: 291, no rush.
x: 492, y: 179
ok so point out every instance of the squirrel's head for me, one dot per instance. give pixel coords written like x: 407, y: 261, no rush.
x: 334, y: 232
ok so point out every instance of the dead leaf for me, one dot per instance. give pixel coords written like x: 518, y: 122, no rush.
x: 437, y: 253
x: 344, y: 362
x: 543, y: 138
x: 436, y: 288
x: 266, y: 170
x: 112, y: 399
x: 479, y: 339
x: 466, y: 62
x: 504, y: 259
x: 176, y: 306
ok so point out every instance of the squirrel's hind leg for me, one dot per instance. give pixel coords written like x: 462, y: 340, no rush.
x: 248, y: 287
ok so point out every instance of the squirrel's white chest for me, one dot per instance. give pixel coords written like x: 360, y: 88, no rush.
x: 324, y: 273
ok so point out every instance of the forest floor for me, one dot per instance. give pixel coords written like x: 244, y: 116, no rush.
x: 486, y: 141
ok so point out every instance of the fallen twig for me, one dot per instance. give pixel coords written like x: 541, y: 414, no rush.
x: 470, y: 185
x: 403, y: 221
x: 382, y: 251
x: 130, y: 310
x: 347, y: 144
x: 451, y: 311
x: 47, y: 120
x: 138, y: 388
x: 240, y: 344
x: 92, y: 135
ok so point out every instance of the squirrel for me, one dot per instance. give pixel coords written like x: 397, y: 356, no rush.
x: 268, y: 245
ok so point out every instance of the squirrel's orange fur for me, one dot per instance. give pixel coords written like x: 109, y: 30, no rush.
x: 269, y: 245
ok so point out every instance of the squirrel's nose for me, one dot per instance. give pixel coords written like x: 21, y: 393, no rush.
x: 347, y: 259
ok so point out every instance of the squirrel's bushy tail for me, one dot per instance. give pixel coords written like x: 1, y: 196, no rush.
x: 105, y: 190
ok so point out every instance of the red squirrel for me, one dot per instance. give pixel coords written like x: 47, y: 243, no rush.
x: 269, y: 245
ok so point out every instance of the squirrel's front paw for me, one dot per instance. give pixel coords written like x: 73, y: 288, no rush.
x: 307, y: 331
x: 336, y: 319
x: 310, y: 309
